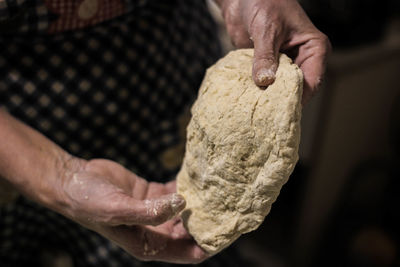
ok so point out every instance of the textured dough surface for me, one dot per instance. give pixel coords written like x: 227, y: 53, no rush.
x: 242, y: 145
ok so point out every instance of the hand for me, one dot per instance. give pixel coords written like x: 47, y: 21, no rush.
x: 99, y: 194
x: 136, y: 215
x: 274, y: 26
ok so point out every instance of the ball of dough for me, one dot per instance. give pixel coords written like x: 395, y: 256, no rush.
x: 242, y: 145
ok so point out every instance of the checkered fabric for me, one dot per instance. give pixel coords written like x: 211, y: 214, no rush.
x: 51, y: 16
x: 116, y: 90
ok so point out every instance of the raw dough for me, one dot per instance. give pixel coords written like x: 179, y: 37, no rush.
x: 242, y: 145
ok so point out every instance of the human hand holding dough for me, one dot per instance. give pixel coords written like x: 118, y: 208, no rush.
x: 242, y: 145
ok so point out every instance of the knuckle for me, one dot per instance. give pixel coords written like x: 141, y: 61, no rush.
x: 325, y: 39
x: 326, y: 47
x: 106, y: 219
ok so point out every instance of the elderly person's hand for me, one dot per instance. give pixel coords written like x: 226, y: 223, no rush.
x: 273, y: 26
x: 99, y: 194
x: 137, y: 215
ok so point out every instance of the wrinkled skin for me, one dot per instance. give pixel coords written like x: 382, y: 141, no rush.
x: 273, y: 26
x: 101, y: 195
x: 137, y: 215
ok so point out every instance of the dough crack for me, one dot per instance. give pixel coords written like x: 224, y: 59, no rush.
x: 253, y: 111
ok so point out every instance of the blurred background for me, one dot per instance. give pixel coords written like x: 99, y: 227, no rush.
x: 340, y: 207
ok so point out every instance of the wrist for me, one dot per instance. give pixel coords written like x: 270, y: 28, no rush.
x: 53, y: 193
x: 34, y: 165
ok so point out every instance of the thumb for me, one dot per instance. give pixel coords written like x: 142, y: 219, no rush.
x: 265, y: 62
x: 163, y: 208
x: 149, y: 211
x: 265, y: 35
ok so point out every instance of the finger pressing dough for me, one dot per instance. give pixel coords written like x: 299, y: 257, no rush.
x: 242, y: 145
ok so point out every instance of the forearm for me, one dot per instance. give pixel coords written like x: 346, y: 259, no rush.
x: 32, y: 163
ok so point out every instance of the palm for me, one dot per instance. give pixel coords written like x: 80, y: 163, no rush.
x: 118, y: 204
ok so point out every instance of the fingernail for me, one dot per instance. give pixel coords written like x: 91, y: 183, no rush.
x: 177, y: 202
x: 265, y: 77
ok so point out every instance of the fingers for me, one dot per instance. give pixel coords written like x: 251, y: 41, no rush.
x: 129, y: 211
x: 265, y: 32
x: 312, y: 60
x: 249, y: 24
x: 181, y: 251
x: 275, y: 26
x: 265, y: 61
x: 162, y: 209
x: 155, y: 243
x: 264, y: 28
x: 162, y: 246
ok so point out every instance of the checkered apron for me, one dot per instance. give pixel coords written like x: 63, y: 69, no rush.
x: 103, y: 79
